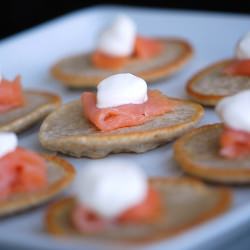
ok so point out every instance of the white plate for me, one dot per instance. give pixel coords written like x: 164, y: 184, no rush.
x: 31, y: 54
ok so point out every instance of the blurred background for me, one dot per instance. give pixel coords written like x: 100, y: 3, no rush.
x: 19, y: 15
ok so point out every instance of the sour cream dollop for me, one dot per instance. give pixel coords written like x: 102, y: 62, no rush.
x: 119, y: 38
x: 234, y: 111
x: 110, y: 187
x: 243, y: 47
x: 8, y: 143
x: 121, y: 89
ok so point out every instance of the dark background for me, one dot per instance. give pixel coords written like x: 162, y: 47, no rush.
x: 21, y: 14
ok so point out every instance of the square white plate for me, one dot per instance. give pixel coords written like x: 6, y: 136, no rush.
x: 31, y: 53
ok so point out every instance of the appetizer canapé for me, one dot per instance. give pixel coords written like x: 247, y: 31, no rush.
x: 20, y: 108
x: 123, y: 116
x: 28, y: 178
x: 224, y: 78
x: 114, y: 200
x: 220, y: 152
x: 120, y: 49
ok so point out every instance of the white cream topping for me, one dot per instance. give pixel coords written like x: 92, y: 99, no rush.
x: 119, y: 38
x: 243, y: 47
x: 8, y: 143
x: 121, y: 89
x: 110, y: 187
x: 234, y: 111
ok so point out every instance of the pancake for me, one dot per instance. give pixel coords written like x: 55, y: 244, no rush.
x: 210, y: 85
x: 78, y: 71
x: 60, y: 175
x: 197, y: 153
x: 66, y: 130
x: 185, y: 204
x: 37, y: 106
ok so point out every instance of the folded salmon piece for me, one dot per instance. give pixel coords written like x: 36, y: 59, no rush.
x: 145, y: 48
x: 21, y: 171
x: 234, y: 143
x: 11, y: 94
x: 85, y: 220
x: 104, y: 61
x: 238, y: 67
x: 127, y: 115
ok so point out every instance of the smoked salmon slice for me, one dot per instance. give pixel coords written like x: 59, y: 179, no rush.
x: 238, y: 68
x: 87, y: 221
x: 21, y: 171
x: 104, y: 61
x: 11, y: 94
x: 148, y: 210
x: 144, y: 212
x: 127, y: 115
x: 145, y: 48
x: 234, y: 143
